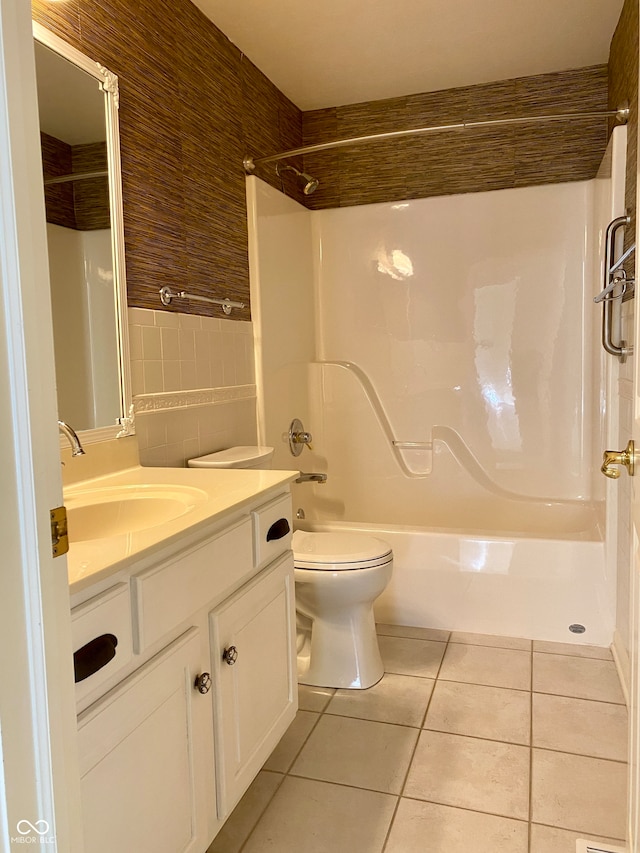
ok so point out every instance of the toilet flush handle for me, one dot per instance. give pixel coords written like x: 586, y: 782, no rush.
x: 611, y: 458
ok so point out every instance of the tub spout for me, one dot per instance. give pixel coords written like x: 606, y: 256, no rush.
x: 311, y: 478
x: 74, y: 441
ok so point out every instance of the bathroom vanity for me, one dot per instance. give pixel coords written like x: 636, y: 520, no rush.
x: 184, y: 640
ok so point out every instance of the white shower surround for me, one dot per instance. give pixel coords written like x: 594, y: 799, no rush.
x: 410, y: 293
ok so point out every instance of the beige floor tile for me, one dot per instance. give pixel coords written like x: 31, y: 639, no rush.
x: 431, y: 828
x: 547, y: 839
x: 314, y: 698
x: 291, y: 742
x: 484, y: 665
x: 413, y: 633
x: 470, y: 773
x: 583, y: 678
x: 572, y: 649
x: 411, y: 657
x: 579, y: 793
x: 246, y: 814
x: 494, y: 713
x: 591, y: 728
x: 490, y: 640
x: 361, y: 753
x: 316, y: 817
x: 400, y: 699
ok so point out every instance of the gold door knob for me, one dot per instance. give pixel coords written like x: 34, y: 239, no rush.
x: 612, y: 458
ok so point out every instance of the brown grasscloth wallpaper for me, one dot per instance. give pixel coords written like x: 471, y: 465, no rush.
x: 460, y: 161
x: 191, y: 106
x: 82, y: 205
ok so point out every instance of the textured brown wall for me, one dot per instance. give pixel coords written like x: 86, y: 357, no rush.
x: 460, y: 161
x: 82, y: 205
x: 623, y: 86
x: 191, y: 107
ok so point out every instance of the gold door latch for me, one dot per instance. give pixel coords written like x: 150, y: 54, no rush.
x: 59, y: 535
x: 613, y: 458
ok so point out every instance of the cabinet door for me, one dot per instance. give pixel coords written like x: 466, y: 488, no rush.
x: 256, y: 695
x: 146, y: 756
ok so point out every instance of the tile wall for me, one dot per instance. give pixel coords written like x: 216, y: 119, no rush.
x: 193, y: 385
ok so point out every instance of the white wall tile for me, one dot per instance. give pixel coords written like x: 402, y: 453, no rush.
x: 151, y: 343
x: 170, y: 343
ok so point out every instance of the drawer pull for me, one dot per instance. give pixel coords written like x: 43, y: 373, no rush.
x: 93, y: 656
x: 278, y: 530
x: 230, y: 655
x: 203, y: 682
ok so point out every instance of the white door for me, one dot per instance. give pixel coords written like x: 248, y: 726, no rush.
x: 634, y: 745
x: 39, y: 785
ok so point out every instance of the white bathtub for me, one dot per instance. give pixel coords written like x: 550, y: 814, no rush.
x: 526, y: 583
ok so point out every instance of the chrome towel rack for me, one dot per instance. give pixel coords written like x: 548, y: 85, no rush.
x: 615, y: 278
x: 166, y: 295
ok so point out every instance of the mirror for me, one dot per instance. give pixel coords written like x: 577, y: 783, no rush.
x: 78, y: 108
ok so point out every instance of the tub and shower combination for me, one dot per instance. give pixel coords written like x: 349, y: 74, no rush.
x: 444, y: 354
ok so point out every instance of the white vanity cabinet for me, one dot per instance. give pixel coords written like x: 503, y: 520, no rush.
x: 200, y: 689
x: 145, y: 753
x: 255, y: 679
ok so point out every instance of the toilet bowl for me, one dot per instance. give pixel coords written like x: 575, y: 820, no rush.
x: 338, y: 576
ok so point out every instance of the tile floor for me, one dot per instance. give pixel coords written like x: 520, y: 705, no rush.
x: 469, y: 743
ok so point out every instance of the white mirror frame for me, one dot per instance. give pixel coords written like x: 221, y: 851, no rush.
x: 109, y: 84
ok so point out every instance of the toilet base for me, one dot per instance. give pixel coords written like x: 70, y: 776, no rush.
x: 340, y: 654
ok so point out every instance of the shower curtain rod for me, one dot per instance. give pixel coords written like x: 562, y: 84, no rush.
x: 250, y: 163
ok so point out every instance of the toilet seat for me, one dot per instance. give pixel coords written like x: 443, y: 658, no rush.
x: 338, y: 551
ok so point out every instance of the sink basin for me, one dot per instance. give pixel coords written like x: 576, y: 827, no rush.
x: 117, y: 510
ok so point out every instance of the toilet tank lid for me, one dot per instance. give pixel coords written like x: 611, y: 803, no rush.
x: 233, y: 457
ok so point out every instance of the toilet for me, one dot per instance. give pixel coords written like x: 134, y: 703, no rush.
x: 338, y: 576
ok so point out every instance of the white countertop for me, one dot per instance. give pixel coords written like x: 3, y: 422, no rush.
x: 220, y: 492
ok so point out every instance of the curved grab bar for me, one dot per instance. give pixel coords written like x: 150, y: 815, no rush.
x: 450, y: 437
x: 376, y: 404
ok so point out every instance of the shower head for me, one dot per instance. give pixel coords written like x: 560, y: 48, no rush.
x: 309, y: 184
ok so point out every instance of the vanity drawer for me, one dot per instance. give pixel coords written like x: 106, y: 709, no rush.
x: 169, y: 593
x: 101, y: 635
x: 271, y: 530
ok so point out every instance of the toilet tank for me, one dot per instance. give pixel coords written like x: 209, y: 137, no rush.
x: 235, y: 457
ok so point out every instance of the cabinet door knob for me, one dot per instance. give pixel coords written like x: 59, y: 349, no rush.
x: 203, y: 683
x: 230, y: 655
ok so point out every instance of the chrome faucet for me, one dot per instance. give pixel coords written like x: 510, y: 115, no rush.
x: 311, y: 478
x: 74, y: 441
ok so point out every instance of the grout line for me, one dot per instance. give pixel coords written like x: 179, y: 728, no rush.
x: 262, y: 811
x: 580, y: 755
x: 582, y: 698
x: 406, y: 775
x: 342, y: 784
x: 467, y: 809
x: 581, y: 832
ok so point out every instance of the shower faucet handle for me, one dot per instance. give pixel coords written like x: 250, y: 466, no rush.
x: 612, y: 458
x: 298, y: 437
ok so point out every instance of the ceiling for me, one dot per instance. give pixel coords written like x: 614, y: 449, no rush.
x: 70, y: 101
x: 335, y: 52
